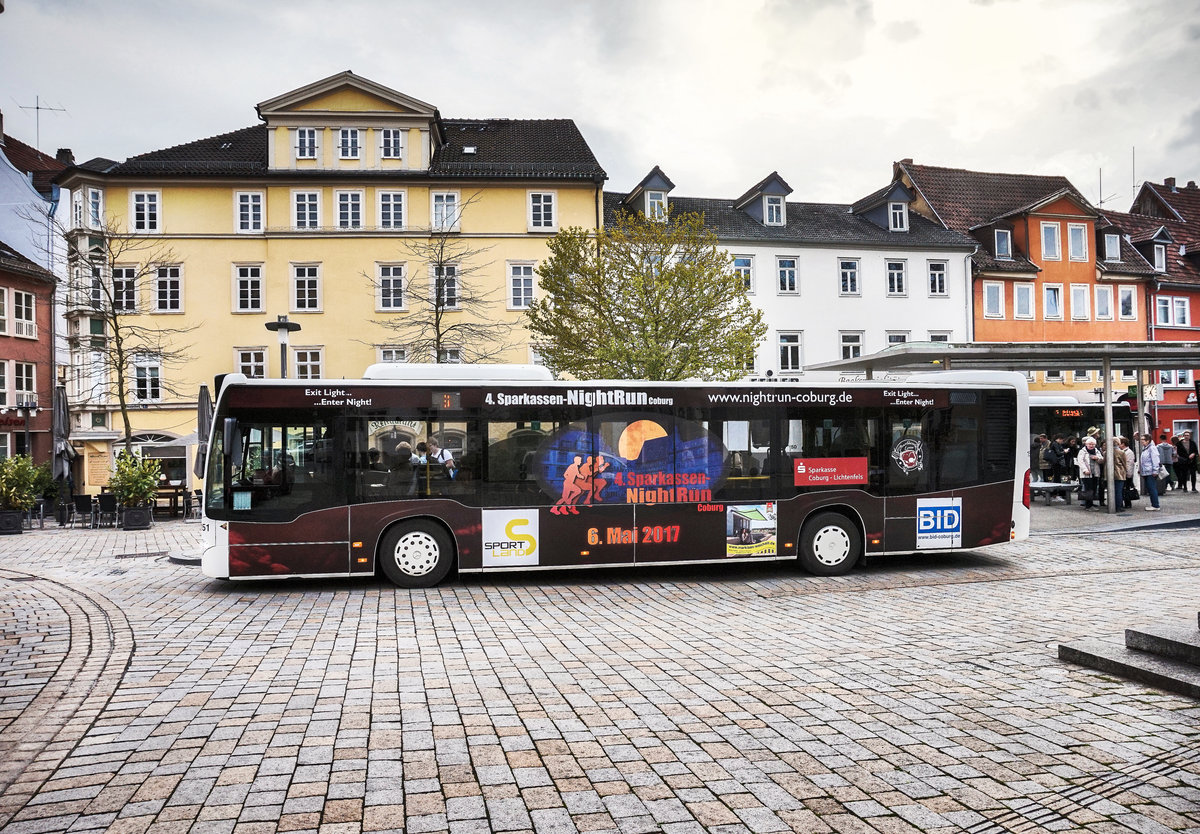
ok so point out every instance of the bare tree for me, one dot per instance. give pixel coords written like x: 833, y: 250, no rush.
x: 445, y: 310
x: 115, y: 278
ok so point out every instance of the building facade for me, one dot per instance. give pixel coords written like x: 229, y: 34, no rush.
x: 26, y: 356
x: 356, y: 211
x: 833, y: 280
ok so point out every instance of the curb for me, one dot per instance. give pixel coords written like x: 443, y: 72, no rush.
x: 191, y: 559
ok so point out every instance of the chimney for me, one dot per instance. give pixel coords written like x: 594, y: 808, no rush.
x: 1169, y: 182
x: 1191, y: 183
x: 65, y: 156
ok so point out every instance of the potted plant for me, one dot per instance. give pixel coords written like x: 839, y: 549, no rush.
x: 18, y: 491
x: 135, y: 484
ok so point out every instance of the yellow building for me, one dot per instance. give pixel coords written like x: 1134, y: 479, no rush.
x: 385, y: 231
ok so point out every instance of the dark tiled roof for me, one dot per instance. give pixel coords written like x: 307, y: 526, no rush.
x: 965, y: 199
x: 1184, y: 199
x: 504, y: 148
x: 1185, y: 270
x: 32, y: 161
x: 13, y: 261
x: 1018, y: 263
x: 807, y: 223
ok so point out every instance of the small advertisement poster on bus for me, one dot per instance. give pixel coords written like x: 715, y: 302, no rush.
x: 939, y: 523
x: 829, y: 471
x: 750, y: 530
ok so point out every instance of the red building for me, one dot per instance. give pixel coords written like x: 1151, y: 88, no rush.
x: 26, y: 356
x: 1164, y: 226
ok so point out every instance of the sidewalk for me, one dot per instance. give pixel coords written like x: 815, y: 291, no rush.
x: 1179, y: 509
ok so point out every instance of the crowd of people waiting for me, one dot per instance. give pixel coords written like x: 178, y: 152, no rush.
x: 1140, y: 467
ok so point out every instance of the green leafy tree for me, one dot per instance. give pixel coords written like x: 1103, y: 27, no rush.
x: 643, y: 299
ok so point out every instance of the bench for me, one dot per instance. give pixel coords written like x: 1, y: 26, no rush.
x: 1049, y: 490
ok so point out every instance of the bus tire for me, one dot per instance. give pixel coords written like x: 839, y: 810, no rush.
x: 416, y: 554
x: 830, y: 545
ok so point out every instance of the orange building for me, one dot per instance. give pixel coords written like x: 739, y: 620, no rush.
x: 1050, y: 267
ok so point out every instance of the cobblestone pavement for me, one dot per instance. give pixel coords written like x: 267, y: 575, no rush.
x: 921, y: 693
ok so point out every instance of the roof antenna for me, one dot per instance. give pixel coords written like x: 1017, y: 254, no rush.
x: 37, y: 119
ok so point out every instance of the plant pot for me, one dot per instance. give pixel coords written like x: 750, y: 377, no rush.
x: 12, y: 521
x: 136, y: 518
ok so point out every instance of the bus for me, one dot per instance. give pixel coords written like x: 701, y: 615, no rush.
x: 320, y: 478
x: 1052, y: 415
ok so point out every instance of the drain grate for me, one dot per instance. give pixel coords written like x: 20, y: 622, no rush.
x: 142, y: 555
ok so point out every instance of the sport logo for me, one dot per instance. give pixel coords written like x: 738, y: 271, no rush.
x: 510, y: 538
x: 909, y: 455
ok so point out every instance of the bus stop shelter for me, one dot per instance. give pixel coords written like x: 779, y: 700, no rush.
x: 1034, y: 356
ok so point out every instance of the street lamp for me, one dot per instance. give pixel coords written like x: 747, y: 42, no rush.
x: 28, y: 403
x: 283, y: 327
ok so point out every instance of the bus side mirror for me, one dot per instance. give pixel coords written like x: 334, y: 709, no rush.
x: 233, y: 441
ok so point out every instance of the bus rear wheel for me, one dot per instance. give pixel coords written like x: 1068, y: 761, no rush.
x: 416, y: 554
x: 829, y: 545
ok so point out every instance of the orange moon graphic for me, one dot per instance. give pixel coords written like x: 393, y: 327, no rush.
x: 629, y: 446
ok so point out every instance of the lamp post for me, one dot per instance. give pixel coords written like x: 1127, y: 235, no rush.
x: 27, y: 404
x: 283, y: 327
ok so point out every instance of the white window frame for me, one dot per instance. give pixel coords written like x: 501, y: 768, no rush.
x: 1080, y: 303
x: 897, y: 217
x: 349, y: 143
x: 385, y: 206
x: 1172, y: 311
x: 450, y: 356
x: 1077, y: 233
x: 251, y: 275
x: 153, y: 383
x: 447, y: 272
x: 439, y: 201
x: 249, y: 212
x: 294, y: 286
x: 849, y: 276
x: 24, y: 313
x: 791, y: 346
x: 1104, y: 303
x: 996, y: 312
x: 4, y: 310
x: 161, y: 274
x: 1047, y: 290
x: 1056, y: 238
x: 124, y: 289
x: 313, y: 148
x: 145, y: 212
x: 1160, y: 257
x: 942, y: 270
x: 1181, y: 312
x: 1124, y: 291
x: 788, y: 275
x: 315, y: 207
x: 1080, y: 376
x: 897, y: 279
x: 941, y: 335
x: 4, y: 383
x: 95, y: 208
x: 304, y: 357
x: 391, y: 354
x: 539, y: 203
x: 386, y: 273
x: 656, y: 205
x: 773, y: 213
x: 850, y: 344
x: 1112, y: 248
x: 743, y: 265
x: 516, y: 273
x: 896, y: 337
x: 347, y: 202
x: 391, y: 142
x: 24, y: 379
x: 252, y: 358
x: 1024, y: 296
x: 1005, y: 252
x: 1053, y: 376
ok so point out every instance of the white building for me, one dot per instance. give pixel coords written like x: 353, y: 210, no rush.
x: 833, y: 280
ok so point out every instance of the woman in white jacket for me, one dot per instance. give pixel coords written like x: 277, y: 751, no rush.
x: 1090, y: 461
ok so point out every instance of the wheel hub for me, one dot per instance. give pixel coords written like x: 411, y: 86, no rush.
x: 416, y: 553
x: 831, y: 545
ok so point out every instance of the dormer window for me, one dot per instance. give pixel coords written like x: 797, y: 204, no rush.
x: 897, y: 217
x: 1112, y: 247
x: 656, y: 205
x: 348, y: 143
x: 306, y: 143
x: 1160, y: 257
x: 773, y: 211
x: 1003, y: 245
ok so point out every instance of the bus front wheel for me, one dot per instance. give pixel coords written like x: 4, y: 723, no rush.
x: 830, y: 545
x: 416, y: 554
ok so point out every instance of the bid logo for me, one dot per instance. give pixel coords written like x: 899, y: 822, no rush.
x: 939, y: 523
x: 510, y: 538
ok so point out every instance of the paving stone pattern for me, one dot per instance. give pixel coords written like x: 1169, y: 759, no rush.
x: 921, y: 693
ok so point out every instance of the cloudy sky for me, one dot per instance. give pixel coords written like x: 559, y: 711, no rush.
x: 718, y: 93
